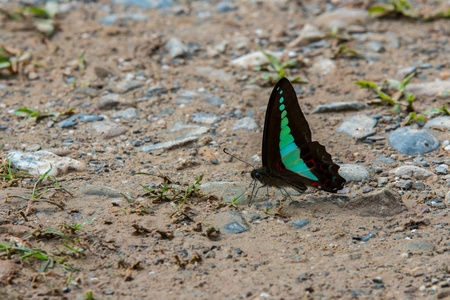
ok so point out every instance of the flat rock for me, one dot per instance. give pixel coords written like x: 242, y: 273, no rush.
x: 39, y: 162
x: 74, y: 119
x: 113, y: 18
x: 341, y: 19
x: 205, y: 118
x: 299, y: 223
x: 127, y: 114
x: 420, y: 247
x: 411, y: 172
x: 358, y: 127
x: 127, y: 85
x: 108, y: 129
x: 225, y: 6
x: 430, y: 89
x: 176, y: 48
x: 254, y: 59
x: 212, y: 73
x: 97, y: 190
x: 447, y: 198
x: 308, y: 34
x: 442, y: 122
x: 408, y: 140
x: 230, y: 222
x: 323, y: 66
x: 86, y: 91
x: 384, y: 160
x: 383, y: 203
x: 340, y: 106
x: 146, y: 4
x: 108, y: 101
x: 353, y: 172
x: 246, y: 123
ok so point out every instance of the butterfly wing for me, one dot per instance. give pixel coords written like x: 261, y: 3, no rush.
x: 288, y: 152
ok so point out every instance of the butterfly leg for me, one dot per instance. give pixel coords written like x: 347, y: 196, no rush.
x: 289, y: 196
x: 252, y: 199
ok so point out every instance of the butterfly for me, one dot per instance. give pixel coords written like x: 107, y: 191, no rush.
x: 289, y: 157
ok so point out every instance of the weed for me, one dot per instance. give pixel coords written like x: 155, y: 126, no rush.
x: 276, y: 66
x: 35, y: 115
x: 396, y: 7
x: 343, y: 50
x: 13, y: 61
x: 10, y: 176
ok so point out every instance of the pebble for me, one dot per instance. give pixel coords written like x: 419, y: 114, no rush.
x: 353, y: 172
x: 205, y: 118
x: 73, y: 120
x: 214, y: 100
x: 441, y: 169
x: 108, y: 101
x: 127, y: 85
x: 411, y: 141
x: 358, y: 127
x: 176, y: 48
x: 39, y: 162
x: 145, y: 4
x: 127, y: 114
x: 411, y: 172
x: 254, y: 59
x: 86, y: 91
x: 340, y: 106
x: 420, y: 248
x: 341, y: 19
x: 225, y: 6
x: 246, y: 123
x: 375, y: 46
x: 32, y: 148
x: 377, y: 204
x: 442, y: 122
x: 299, y: 223
x: 430, y: 89
x: 114, y: 18
x: 108, y: 129
x: 308, y: 34
x: 323, y: 66
x: 102, y: 191
x: 418, y: 186
x: 230, y: 222
x: 404, y: 184
x: 447, y: 198
x: 384, y: 160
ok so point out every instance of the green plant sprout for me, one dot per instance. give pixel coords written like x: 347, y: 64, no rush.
x: 400, y: 7
x: 276, y: 66
x: 12, y: 177
x: 35, y: 115
x: 343, y: 50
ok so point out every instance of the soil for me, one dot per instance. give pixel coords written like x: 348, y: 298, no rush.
x: 136, y: 247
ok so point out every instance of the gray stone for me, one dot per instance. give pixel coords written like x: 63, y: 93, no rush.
x: 420, y: 247
x: 230, y: 222
x: 441, y: 169
x: 127, y: 85
x: 205, y: 118
x: 299, y: 223
x: 246, y: 123
x: 430, y: 89
x: 108, y: 129
x: 340, y: 106
x: 39, y: 162
x: 341, y: 19
x: 447, y: 198
x: 225, y: 6
x: 352, y: 172
x: 411, y: 172
x: 308, y: 34
x: 323, y: 66
x: 358, y: 127
x: 404, y: 184
x: 384, y: 160
x: 108, y: 101
x: 127, y: 114
x: 216, y: 101
x: 176, y: 48
x: 32, y: 148
x: 111, y: 19
x: 406, y: 71
x: 145, y: 4
x: 420, y: 186
x: 73, y: 120
x: 97, y: 190
x: 254, y: 59
x: 169, y: 144
x: 442, y: 122
x: 383, y: 203
x: 412, y: 141
x: 86, y: 91
x: 375, y: 46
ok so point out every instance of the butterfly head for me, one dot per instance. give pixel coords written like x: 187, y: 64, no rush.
x: 259, y: 175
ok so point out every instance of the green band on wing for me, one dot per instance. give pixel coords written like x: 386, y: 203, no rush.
x: 290, y: 159
x: 281, y: 100
x: 282, y: 107
x: 286, y: 141
x: 284, y: 123
x: 283, y: 114
x: 301, y: 169
x: 284, y: 132
x: 287, y: 149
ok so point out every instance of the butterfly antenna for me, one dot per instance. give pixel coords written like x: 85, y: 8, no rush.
x: 234, y: 156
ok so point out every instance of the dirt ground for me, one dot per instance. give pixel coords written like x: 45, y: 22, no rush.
x: 136, y: 247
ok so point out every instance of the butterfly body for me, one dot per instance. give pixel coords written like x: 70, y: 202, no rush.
x: 289, y: 157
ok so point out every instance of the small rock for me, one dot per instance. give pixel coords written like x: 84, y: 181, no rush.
x: 418, y: 186
x: 368, y: 236
x: 230, y: 222
x: 385, y: 160
x: 353, y: 172
x: 216, y: 101
x: 39, y: 162
x: 254, y: 59
x: 420, y: 247
x: 378, y: 204
x: 439, y: 123
x: 145, y: 4
x: 86, y: 91
x: 113, y: 18
x: 430, y: 89
x: 32, y: 148
x: 205, y: 118
x: 358, y: 127
x: 404, y: 184
x: 246, y: 123
x: 108, y: 129
x: 340, y: 106
x: 411, y: 172
x: 412, y: 141
x: 367, y: 189
x: 341, y: 19
x: 323, y: 66
x: 127, y: 85
x: 375, y: 46
x: 228, y: 191
x: 308, y: 34
x: 212, y: 73
x: 299, y: 223
x: 108, y: 101
x: 176, y: 48
x: 441, y: 169
x: 225, y: 6
x: 97, y: 190
x: 127, y: 114
x: 447, y: 198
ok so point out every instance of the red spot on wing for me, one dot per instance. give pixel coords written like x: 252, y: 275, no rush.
x: 315, y: 184
x: 280, y: 165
